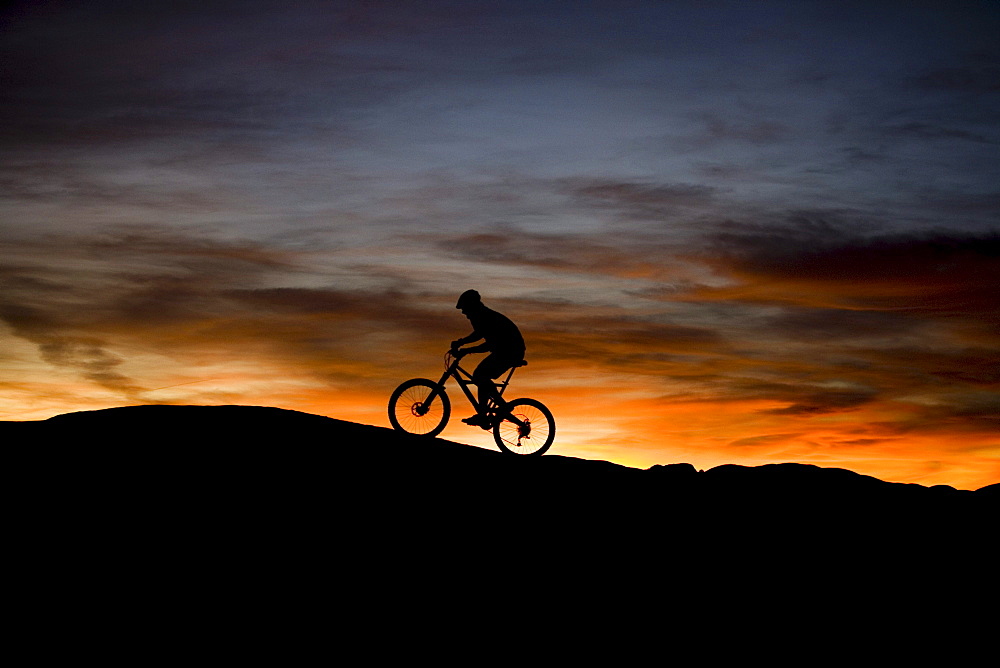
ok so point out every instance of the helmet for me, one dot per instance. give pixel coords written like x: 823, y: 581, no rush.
x: 468, y: 298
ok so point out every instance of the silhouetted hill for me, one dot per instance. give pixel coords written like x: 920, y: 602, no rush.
x: 272, y: 510
x: 215, y: 452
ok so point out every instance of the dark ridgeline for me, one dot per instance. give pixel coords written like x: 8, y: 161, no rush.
x: 241, y: 494
x: 157, y: 525
x: 232, y: 455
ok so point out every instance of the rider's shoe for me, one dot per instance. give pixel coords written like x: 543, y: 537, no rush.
x: 478, y: 421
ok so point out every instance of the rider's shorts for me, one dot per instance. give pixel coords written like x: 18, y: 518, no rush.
x: 495, y: 364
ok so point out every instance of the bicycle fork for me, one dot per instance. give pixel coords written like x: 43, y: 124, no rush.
x: 429, y: 401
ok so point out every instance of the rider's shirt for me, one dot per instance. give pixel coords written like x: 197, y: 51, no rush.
x: 501, y: 335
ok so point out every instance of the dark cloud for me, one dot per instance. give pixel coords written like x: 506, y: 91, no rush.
x: 755, y: 131
x: 633, y: 347
x: 44, y: 184
x: 641, y: 201
x: 940, y: 273
x: 73, y: 297
x: 961, y: 202
x: 835, y: 325
x: 955, y: 412
x: 652, y: 195
x: 87, y: 302
x: 764, y: 440
x: 931, y: 131
x: 822, y: 404
x: 922, y: 369
x: 642, y: 248
x: 804, y: 398
x: 584, y: 253
x: 106, y: 74
x: 91, y: 357
x: 385, y: 312
x: 980, y: 76
x: 58, y: 346
x: 549, y: 251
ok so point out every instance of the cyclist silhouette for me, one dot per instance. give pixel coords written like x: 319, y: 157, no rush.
x: 503, y: 341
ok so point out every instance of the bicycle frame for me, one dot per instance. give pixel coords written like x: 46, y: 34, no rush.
x: 464, y: 380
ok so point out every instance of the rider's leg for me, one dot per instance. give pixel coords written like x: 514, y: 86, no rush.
x: 488, y: 392
x: 484, y: 375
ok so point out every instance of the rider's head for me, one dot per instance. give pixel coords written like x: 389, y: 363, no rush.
x: 470, y: 300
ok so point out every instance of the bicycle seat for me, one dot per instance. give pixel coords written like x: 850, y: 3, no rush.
x: 521, y: 363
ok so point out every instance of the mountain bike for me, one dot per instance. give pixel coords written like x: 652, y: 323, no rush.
x: 421, y: 406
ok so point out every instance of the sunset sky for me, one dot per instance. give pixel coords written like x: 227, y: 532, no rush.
x: 730, y: 232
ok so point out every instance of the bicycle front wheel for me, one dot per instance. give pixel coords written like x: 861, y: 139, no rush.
x: 528, y: 429
x: 412, y: 411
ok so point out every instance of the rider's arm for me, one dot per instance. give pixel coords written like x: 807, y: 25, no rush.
x: 475, y: 336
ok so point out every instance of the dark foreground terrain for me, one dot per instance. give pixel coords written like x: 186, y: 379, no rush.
x: 217, y: 459
x: 220, y: 516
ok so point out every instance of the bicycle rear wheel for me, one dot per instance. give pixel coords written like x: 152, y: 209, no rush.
x: 529, y: 428
x: 410, y: 411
